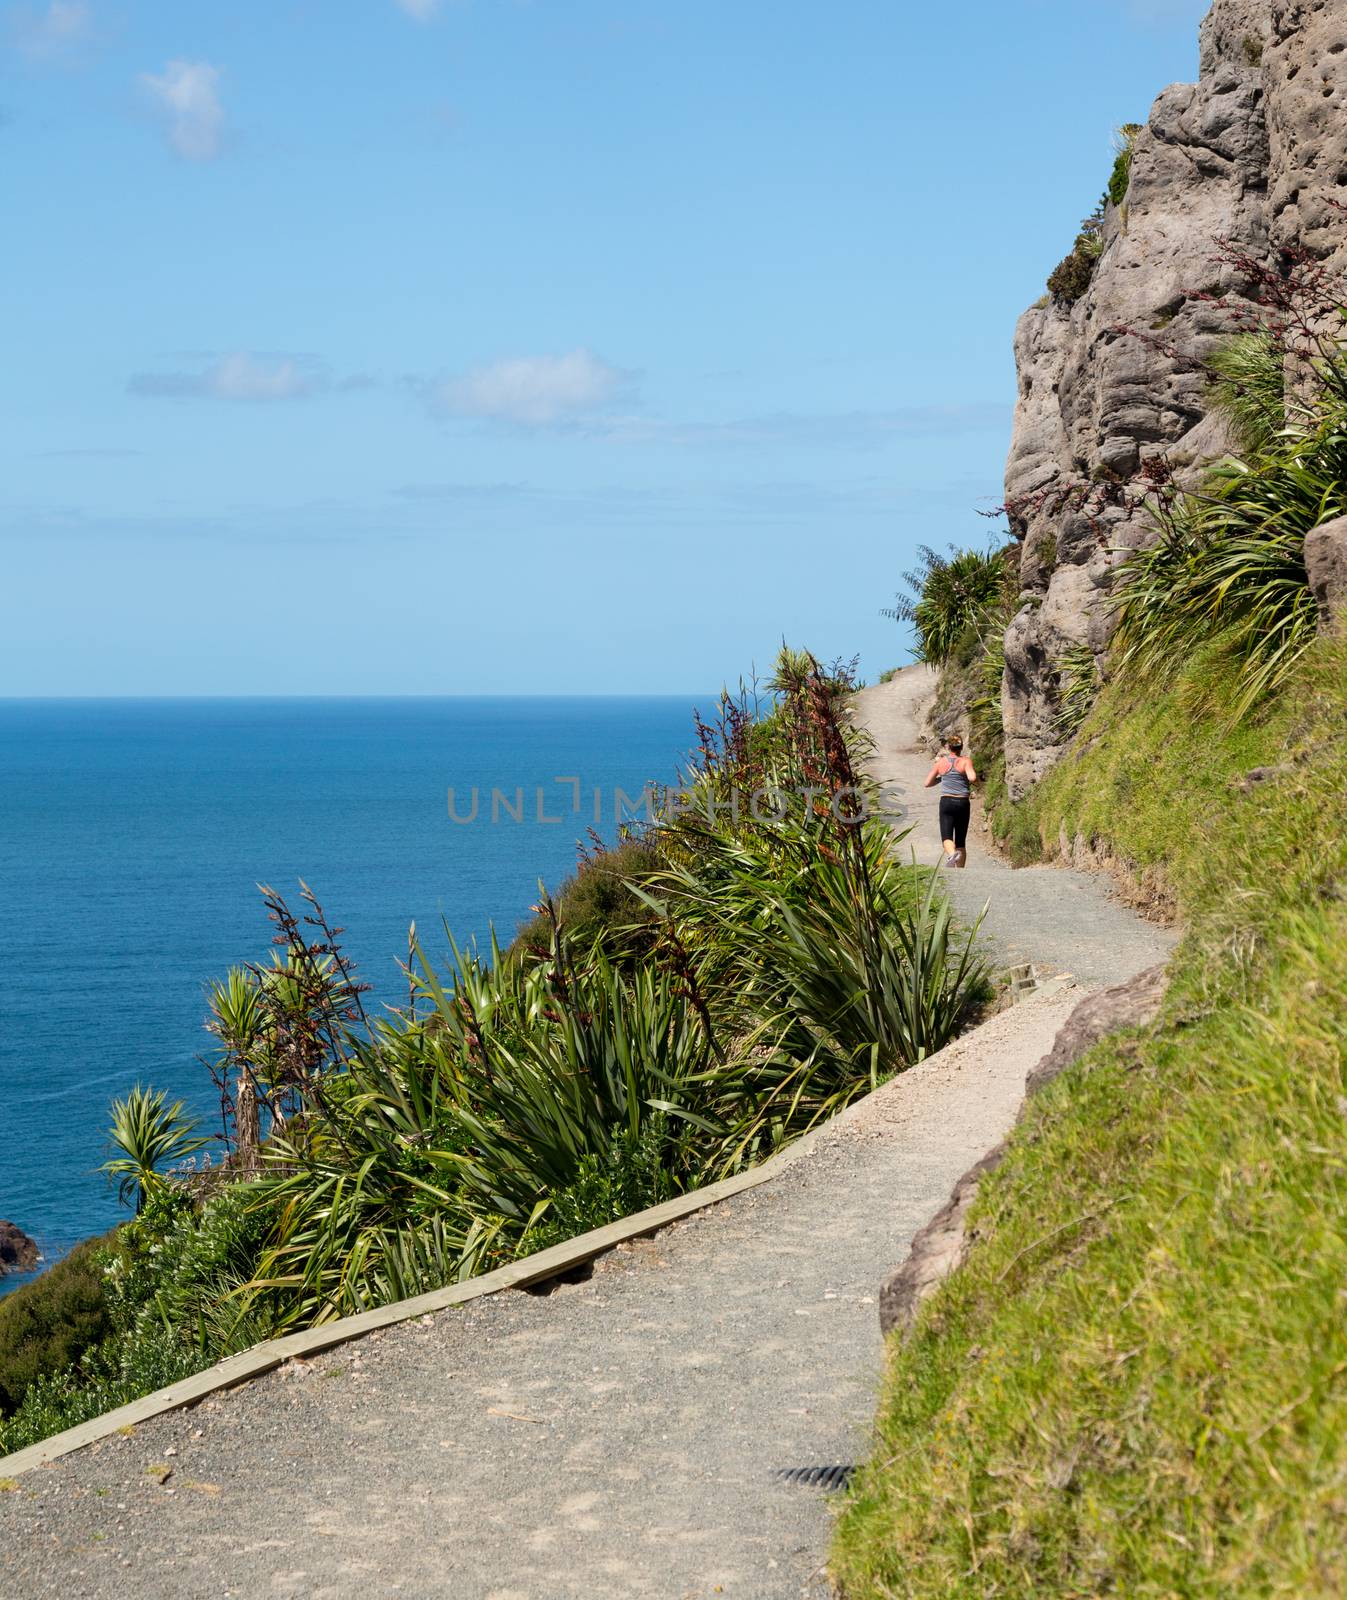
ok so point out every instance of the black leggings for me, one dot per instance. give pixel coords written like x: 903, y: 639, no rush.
x: 954, y: 813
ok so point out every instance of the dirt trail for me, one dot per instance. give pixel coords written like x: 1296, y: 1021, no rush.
x: 1059, y: 919
x: 617, y: 1438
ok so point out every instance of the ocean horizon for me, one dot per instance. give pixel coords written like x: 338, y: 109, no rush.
x: 138, y: 828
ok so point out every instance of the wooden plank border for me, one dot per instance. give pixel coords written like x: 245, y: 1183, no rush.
x: 265, y: 1357
x: 549, y: 1263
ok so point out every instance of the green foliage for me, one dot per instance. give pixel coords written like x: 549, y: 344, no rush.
x: 1248, y: 387
x: 1078, y: 684
x: 150, y: 1134
x: 1134, y: 1386
x: 50, y: 1322
x: 1015, y: 825
x: 1121, y: 175
x: 1227, y: 574
x: 126, y: 1314
x: 1230, y: 566
x: 628, y: 1176
x: 970, y: 681
x: 791, y: 670
x: 949, y: 600
x: 114, y: 1374
x: 182, y: 1264
x: 599, y: 905
x: 871, y: 978
x: 985, y: 705
x: 1072, y: 276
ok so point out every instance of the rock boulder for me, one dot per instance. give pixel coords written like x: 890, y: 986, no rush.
x: 18, y: 1253
x: 1326, y: 563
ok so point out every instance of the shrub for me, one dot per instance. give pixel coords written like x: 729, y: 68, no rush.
x: 49, y: 1323
x: 628, y: 1176
x: 1072, y: 276
x: 1077, y: 685
x: 599, y: 905
x: 1248, y: 387
x: 117, y: 1372
x: 1121, y: 175
x: 705, y: 995
x: 462, y: 1125
x: 181, y: 1264
x: 845, y: 947
x: 949, y: 599
x: 1230, y: 565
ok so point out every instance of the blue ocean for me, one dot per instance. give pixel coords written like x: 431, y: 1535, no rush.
x: 135, y: 834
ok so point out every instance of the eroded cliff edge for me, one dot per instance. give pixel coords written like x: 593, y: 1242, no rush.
x: 1255, y: 155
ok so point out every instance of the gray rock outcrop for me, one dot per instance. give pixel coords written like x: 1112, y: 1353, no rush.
x: 18, y: 1253
x: 1326, y: 564
x: 1254, y: 153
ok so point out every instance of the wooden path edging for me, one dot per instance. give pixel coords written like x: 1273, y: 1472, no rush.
x: 266, y: 1357
x: 549, y: 1263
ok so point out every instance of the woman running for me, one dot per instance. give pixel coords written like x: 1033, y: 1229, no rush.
x: 956, y: 775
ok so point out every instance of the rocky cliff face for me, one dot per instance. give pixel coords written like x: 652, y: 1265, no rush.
x: 1253, y: 153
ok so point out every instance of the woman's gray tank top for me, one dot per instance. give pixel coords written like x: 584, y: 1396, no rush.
x: 954, y: 782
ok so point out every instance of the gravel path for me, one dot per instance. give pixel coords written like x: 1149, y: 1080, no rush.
x: 1059, y: 919
x: 616, y: 1438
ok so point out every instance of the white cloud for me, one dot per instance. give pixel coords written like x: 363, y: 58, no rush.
x: 187, y: 95
x: 531, y: 389
x: 420, y: 10
x: 238, y: 376
x: 45, y: 33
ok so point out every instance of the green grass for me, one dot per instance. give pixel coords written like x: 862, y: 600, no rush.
x: 1015, y: 828
x: 1137, y: 1386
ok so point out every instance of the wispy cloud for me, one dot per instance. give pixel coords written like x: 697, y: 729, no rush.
x: 419, y: 10
x: 52, y: 32
x: 186, y: 94
x: 248, y: 377
x: 533, y: 390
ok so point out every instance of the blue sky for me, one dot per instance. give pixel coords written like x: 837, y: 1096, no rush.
x: 386, y: 346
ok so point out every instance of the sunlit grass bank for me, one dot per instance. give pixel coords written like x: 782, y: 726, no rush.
x: 1138, y: 1384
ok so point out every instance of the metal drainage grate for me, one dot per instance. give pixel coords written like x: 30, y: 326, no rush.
x: 836, y: 1477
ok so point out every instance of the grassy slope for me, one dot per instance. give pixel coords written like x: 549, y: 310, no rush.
x: 1138, y: 1384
